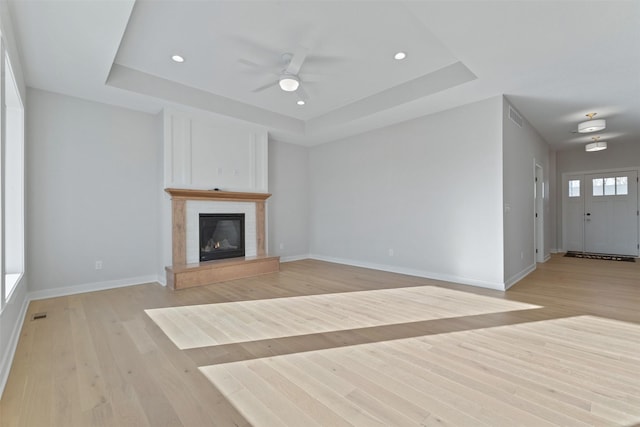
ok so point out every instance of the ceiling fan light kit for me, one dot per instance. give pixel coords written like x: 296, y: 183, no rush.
x: 289, y: 82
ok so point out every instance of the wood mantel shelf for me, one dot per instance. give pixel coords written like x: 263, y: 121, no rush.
x: 181, y: 275
x: 183, y: 193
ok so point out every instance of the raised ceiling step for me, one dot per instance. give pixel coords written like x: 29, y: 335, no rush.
x: 209, y: 272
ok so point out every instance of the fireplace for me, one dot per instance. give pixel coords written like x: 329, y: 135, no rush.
x: 221, y: 236
x: 185, y: 270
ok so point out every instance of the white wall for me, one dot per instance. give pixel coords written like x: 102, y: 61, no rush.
x: 92, y: 192
x: 616, y: 156
x: 288, y: 207
x: 429, y: 189
x: 204, y: 152
x: 523, y: 147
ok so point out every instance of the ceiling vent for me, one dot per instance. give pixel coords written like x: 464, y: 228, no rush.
x: 515, y: 117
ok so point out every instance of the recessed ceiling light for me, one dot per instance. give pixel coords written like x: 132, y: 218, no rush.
x: 399, y: 56
x: 177, y: 58
x: 300, y: 102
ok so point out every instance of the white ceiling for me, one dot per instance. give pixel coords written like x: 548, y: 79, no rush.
x: 554, y: 60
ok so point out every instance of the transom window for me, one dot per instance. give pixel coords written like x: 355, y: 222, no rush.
x: 610, y: 186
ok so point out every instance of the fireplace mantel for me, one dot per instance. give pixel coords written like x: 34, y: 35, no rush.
x: 181, y: 274
x: 187, y: 194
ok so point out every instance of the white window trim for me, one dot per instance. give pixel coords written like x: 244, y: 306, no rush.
x: 11, y: 280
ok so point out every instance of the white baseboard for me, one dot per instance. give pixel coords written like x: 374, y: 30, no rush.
x: 162, y: 279
x: 519, y: 276
x: 7, y: 355
x: 294, y: 258
x: 91, y: 287
x: 412, y: 272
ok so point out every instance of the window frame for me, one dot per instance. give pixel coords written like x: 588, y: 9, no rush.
x: 12, y: 206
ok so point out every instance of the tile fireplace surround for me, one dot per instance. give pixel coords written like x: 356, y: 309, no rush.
x: 184, y: 274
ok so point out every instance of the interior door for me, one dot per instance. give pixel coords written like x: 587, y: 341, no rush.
x: 611, y: 213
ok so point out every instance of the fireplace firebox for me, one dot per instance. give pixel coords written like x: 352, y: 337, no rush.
x: 221, y: 236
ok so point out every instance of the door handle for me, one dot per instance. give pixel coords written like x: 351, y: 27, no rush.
x: 588, y: 214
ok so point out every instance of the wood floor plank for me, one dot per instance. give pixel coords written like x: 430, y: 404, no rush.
x: 284, y: 409
x: 419, y: 407
x: 411, y: 367
x: 329, y: 389
x: 560, y: 388
x: 328, y: 344
x: 272, y: 318
x: 305, y: 402
x: 563, y: 369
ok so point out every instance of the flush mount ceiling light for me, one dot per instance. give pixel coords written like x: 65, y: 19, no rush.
x: 592, y: 125
x: 289, y: 82
x: 400, y: 56
x: 596, y: 145
x: 177, y: 58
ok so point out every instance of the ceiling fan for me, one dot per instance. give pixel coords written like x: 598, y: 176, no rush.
x: 288, y: 74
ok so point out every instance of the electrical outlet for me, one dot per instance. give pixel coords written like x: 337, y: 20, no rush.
x: 390, y: 252
x: 281, y: 245
x: 98, y: 265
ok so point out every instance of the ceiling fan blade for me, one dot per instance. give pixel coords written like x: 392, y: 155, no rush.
x: 254, y: 67
x: 297, y: 60
x: 302, y: 94
x: 265, y: 87
x: 250, y: 63
x: 325, y: 60
x: 257, y: 47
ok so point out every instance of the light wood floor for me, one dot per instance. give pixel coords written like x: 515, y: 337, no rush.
x: 562, y: 347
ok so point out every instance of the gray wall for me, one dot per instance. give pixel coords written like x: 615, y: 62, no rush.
x: 522, y: 148
x: 429, y: 189
x: 93, y: 189
x: 288, y: 207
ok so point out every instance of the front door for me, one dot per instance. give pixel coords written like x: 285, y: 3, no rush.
x: 611, y: 213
